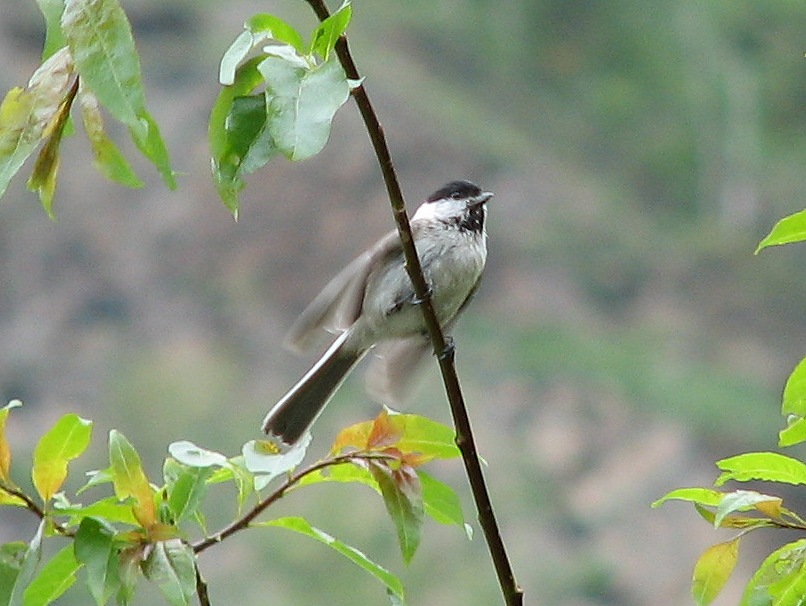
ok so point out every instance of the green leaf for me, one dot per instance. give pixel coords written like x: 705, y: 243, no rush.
x: 95, y: 549
x: 32, y: 557
x: 779, y: 581
x: 236, y: 472
x: 5, y: 449
x: 110, y: 509
x: 25, y: 114
x: 713, y: 570
x: 46, y: 168
x: 794, y: 433
x: 330, y: 30
x: 302, y: 103
x: 276, y: 29
x: 11, y: 557
x: 97, y: 477
x: 441, y: 502
x: 249, y: 145
x: 703, y: 496
x: 131, y: 558
x: 130, y: 480
x: 54, y: 38
x: 186, y: 488
x: 56, y: 577
x: 744, y: 500
x: 107, y: 157
x: 226, y: 149
x: 425, y: 436
x: 100, y: 39
x: 68, y: 438
x: 343, y: 473
x: 787, y: 230
x: 149, y: 141
x: 402, y: 495
x: 302, y: 526
x: 769, y: 466
x: 172, y: 566
x: 794, y: 398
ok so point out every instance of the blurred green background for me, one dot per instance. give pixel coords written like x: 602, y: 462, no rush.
x: 624, y: 338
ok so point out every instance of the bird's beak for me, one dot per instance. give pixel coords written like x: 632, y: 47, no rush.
x: 482, y: 198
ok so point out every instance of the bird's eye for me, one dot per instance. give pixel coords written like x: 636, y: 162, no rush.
x: 456, y: 195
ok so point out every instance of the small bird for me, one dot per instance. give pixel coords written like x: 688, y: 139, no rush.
x: 371, y: 302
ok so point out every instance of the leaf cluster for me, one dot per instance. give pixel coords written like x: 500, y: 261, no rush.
x: 156, y: 532
x: 279, y: 97
x: 89, y: 59
x: 781, y: 578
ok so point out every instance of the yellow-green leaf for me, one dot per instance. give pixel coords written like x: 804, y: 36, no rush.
x: 56, y: 577
x: 46, y: 168
x: 787, y: 230
x: 794, y: 433
x: 780, y: 578
x: 5, y: 449
x: 768, y: 466
x: 130, y: 480
x: 302, y: 526
x: 108, y: 159
x: 25, y: 114
x: 68, y: 438
x: 100, y: 39
x: 713, y: 570
x: 703, y: 496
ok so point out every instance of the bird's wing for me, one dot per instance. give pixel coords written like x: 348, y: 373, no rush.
x: 339, y: 303
x: 394, y: 368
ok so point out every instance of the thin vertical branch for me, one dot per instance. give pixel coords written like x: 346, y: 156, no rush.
x: 201, y: 588
x: 511, y: 591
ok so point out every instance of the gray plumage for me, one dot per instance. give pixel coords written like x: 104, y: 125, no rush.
x: 372, y: 302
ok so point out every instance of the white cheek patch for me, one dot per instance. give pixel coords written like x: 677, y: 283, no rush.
x: 444, y: 209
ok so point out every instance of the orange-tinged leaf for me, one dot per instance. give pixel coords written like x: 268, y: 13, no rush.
x: 354, y: 437
x: 406, y: 432
x: 130, y: 480
x: 384, y: 432
x: 713, y: 570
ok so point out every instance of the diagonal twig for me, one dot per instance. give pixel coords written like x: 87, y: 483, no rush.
x: 512, y: 593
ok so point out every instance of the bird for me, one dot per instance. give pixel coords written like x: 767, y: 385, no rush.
x: 371, y: 303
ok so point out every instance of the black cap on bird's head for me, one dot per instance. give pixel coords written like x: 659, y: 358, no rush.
x: 456, y: 190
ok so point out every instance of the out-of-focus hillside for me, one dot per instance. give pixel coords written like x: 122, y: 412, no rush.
x: 624, y: 338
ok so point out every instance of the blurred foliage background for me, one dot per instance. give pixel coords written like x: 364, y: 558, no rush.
x: 625, y: 336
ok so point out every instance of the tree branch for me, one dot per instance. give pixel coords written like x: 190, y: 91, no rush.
x: 201, y: 588
x: 512, y: 593
x: 33, y: 507
x: 243, y: 522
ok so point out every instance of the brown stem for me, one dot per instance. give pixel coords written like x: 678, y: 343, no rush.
x: 511, y: 591
x: 33, y: 507
x: 243, y: 522
x: 201, y: 588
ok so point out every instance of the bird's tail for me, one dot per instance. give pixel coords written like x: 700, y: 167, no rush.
x: 296, y: 411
